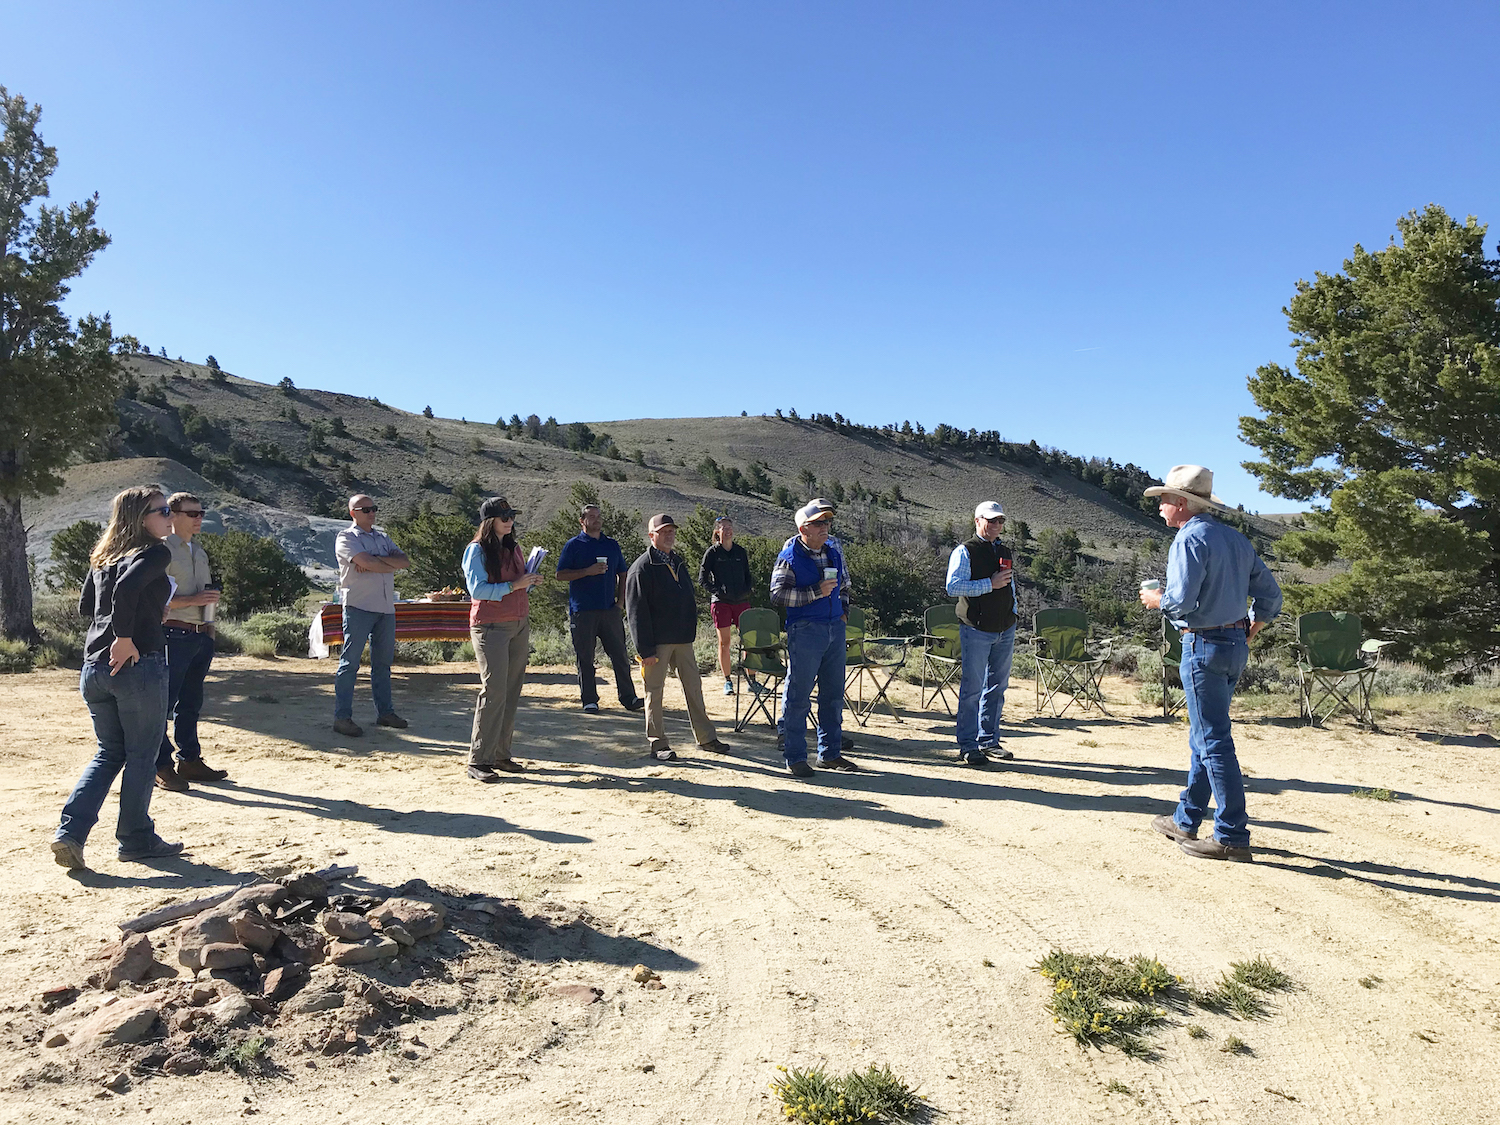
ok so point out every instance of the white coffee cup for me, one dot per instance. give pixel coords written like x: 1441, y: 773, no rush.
x: 602, y: 559
x: 1151, y: 584
x: 830, y: 573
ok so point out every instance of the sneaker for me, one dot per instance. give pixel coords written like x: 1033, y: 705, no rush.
x: 69, y: 854
x: 758, y: 688
x: 716, y: 746
x: 196, y: 769
x: 161, y: 849
x: 973, y: 758
x: 509, y: 765
x: 349, y: 727
x: 837, y: 763
x: 391, y: 719
x: 636, y: 705
x: 1212, y: 849
x: 1168, y: 828
x: 168, y: 778
x: 664, y: 753
x: 728, y: 687
x: 998, y: 752
x: 800, y: 769
x: 482, y: 773
x: 591, y: 708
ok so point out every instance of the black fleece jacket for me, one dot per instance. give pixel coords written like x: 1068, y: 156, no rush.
x: 660, y: 602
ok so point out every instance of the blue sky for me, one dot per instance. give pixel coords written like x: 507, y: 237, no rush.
x: 1076, y: 224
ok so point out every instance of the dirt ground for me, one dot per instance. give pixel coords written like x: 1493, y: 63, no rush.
x: 889, y: 916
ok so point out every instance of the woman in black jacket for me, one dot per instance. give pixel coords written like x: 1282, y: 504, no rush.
x: 725, y: 574
x: 124, y: 680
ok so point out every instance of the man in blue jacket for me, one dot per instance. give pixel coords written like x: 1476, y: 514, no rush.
x: 1212, y: 572
x: 811, y: 581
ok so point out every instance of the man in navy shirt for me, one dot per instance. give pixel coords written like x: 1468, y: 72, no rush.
x: 593, y: 566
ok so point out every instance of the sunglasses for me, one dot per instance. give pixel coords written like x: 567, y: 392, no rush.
x: 190, y: 515
x: 164, y: 510
x: 507, y: 515
x: 367, y: 510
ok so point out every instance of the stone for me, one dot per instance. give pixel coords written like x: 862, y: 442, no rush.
x: 230, y: 1010
x: 640, y: 974
x: 319, y: 1002
x: 58, y: 996
x: 119, y: 1083
x: 201, y: 993
x: 184, y: 1063
x: 214, y: 925
x: 578, y: 993
x: 346, y: 926
x: 340, y: 1041
x: 358, y: 952
x: 254, y: 932
x: 418, y: 918
x: 118, y: 1022
x: 484, y: 907
x: 131, y: 961
x: 261, y: 964
x: 398, y: 933
x: 301, y: 942
x: 655, y: 984
x: 285, y: 982
x: 224, y: 955
x: 56, y: 1039
x: 305, y: 886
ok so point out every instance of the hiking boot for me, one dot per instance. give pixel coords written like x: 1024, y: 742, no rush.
x: 1212, y: 849
x: 1168, y: 828
x: 482, y: 773
x: 161, y: 849
x: 196, y: 769
x: 349, y: 727
x: 837, y: 763
x: 391, y: 719
x: 716, y: 746
x: 69, y: 854
x: 508, y: 765
x: 169, y: 779
x: 800, y: 769
x: 664, y: 753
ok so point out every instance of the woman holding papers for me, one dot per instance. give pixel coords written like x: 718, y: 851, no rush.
x: 498, y: 581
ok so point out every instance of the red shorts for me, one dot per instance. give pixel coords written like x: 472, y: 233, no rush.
x: 726, y: 615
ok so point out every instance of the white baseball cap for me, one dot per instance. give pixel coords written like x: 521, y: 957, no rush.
x: 989, y: 510
x: 813, y: 511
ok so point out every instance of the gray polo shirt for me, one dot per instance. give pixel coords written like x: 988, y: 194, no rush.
x: 189, y: 569
x: 361, y: 589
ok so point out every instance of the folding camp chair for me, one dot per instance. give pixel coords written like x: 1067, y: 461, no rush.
x: 1171, y: 663
x: 864, y: 663
x: 941, y: 655
x: 763, y: 655
x: 1063, y: 664
x: 1331, y: 670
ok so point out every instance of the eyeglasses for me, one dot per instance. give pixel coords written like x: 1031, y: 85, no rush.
x: 507, y: 516
x: 367, y: 510
x: 164, y: 510
x: 189, y: 515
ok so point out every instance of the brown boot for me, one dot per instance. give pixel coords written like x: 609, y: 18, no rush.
x: 196, y: 769
x: 169, y: 779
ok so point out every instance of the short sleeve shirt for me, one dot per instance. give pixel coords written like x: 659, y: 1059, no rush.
x: 189, y: 569
x: 375, y: 593
x: 597, y: 591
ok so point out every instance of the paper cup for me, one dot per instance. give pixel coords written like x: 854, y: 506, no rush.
x: 830, y: 573
x: 602, y: 559
x: 1151, y: 584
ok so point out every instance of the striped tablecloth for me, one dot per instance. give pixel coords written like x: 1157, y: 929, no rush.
x: 415, y: 621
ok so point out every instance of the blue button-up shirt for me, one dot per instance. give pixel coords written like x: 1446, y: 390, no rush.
x: 1212, y: 570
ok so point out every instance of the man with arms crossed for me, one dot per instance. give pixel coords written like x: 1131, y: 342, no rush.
x: 368, y: 559
x: 981, y: 578
x: 1212, y: 571
x: 596, y: 591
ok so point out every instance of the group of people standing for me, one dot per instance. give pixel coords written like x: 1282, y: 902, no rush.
x: 149, y: 644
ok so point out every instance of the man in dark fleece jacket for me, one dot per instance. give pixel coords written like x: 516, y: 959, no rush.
x: 663, y: 613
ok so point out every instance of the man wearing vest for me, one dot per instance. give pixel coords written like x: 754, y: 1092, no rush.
x: 980, y: 575
x: 812, y: 583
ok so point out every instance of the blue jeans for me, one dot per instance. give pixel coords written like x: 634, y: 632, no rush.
x: 981, y: 690
x: 815, y: 653
x: 188, y: 656
x: 361, y: 625
x: 129, y: 710
x: 1211, y: 665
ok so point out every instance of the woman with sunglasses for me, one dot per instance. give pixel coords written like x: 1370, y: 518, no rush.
x: 124, y: 680
x: 495, y: 572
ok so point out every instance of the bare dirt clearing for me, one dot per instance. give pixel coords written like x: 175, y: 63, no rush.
x: 888, y: 916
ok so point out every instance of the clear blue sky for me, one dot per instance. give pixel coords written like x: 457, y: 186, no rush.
x: 1074, y: 223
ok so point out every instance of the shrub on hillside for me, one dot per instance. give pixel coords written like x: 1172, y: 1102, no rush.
x: 287, y: 632
x: 71, y: 548
x: 435, y: 544
x: 255, y: 573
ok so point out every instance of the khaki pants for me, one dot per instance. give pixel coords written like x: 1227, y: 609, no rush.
x: 502, y: 649
x: 682, y: 659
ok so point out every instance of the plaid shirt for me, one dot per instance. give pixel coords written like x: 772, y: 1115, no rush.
x: 786, y: 592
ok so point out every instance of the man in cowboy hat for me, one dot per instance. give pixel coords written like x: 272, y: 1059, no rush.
x: 1212, y: 571
x: 811, y: 581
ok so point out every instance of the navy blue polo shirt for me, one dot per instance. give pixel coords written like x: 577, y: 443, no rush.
x: 598, y: 590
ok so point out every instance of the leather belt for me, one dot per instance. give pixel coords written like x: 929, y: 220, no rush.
x: 190, y: 626
x: 1242, y: 623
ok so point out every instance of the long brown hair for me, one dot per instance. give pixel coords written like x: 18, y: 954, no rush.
x: 126, y: 532
x: 493, y: 546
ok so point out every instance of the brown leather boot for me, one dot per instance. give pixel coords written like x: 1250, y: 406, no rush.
x: 196, y: 769
x: 169, y: 779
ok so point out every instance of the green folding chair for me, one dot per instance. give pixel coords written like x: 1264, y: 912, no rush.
x: 941, y: 655
x: 865, y: 663
x: 763, y: 656
x: 1171, y: 664
x: 1332, y: 671
x: 1064, y: 666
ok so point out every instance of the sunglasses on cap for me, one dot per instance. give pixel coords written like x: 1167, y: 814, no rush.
x: 367, y: 509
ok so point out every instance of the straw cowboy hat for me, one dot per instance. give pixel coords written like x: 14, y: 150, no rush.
x: 1194, y: 482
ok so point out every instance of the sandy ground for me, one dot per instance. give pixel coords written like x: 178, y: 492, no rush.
x: 891, y: 916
